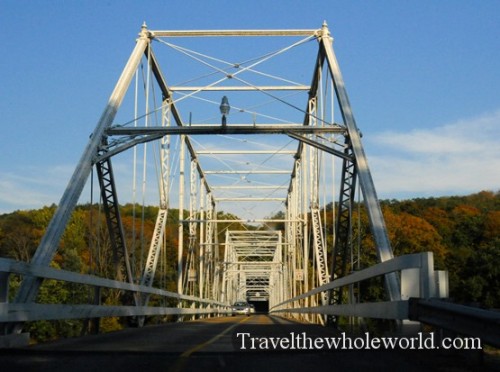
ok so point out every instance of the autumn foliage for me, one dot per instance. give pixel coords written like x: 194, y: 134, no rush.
x: 462, y: 231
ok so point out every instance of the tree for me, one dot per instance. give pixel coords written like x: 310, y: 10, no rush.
x: 411, y: 234
x: 19, y: 239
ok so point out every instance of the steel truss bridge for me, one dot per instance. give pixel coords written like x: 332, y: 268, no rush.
x: 252, y: 142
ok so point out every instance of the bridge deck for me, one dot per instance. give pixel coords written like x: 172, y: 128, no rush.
x: 213, y: 345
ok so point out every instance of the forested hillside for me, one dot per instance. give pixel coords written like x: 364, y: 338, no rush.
x: 463, y: 232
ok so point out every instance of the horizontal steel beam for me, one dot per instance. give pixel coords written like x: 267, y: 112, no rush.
x: 223, y: 129
x: 238, y: 88
x: 249, y: 265
x: 260, y: 275
x: 261, y: 241
x: 255, y: 274
x: 147, y: 134
x: 256, y: 233
x: 256, y: 171
x: 249, y: 152
x: 261, y: 220
x: 212, y: 33
x: 248, y: 199
x: 253, y: 187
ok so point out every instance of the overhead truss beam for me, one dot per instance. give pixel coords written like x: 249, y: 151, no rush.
x: 239, y: 88
x: 228, y: 33
x: 228, y: 129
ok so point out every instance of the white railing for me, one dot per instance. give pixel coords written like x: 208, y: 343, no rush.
x: 418, y: 279
x: 24, y: 312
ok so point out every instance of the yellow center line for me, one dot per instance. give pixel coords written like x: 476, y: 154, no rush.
x: 183, y: 358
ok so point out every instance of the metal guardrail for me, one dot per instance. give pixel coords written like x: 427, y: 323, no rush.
x: 23, y: 312
x: 418, y: 279
x: 422, y: 292
x: 421, y: 286
x: 463, y: 320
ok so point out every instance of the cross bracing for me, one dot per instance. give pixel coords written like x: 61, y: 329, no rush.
x: 254, y: 262
x: 243, y: 145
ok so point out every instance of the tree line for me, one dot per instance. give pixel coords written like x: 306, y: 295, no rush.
x: 462, y: 231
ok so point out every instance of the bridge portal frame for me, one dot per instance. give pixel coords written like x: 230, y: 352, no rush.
x: 96, y: 153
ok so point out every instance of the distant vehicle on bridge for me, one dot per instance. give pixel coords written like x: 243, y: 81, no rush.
x: 241, y: 308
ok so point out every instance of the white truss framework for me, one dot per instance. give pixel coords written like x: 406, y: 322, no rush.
x: 253, y: 266
x: 254, y: 173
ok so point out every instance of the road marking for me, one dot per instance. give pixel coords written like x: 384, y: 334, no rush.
x: 183, y: 358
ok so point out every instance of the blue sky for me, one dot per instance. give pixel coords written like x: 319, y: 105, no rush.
x: 422, y: 77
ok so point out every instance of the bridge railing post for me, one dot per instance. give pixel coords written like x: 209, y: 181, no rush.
x: 424, y: 281
x: 96, y: 322
x: 410, y: 283
x: 4, y: 296
x: 417, y: 282
x: 4, y: 287
x: 8, y: 340
x: 442, y: 287
x: 427, y: 279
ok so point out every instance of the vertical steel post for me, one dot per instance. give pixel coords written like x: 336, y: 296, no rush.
x: 305, y: 226
x: 180, y: 248
x: 191, y: 281
x: 202, y: 263
x: 161, y: 219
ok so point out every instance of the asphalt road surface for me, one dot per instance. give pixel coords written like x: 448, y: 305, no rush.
x: 254, y: 343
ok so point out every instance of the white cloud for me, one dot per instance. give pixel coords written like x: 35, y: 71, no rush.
x: 32, y: 187
x: 458, y: 158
